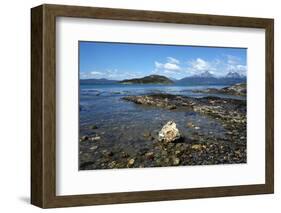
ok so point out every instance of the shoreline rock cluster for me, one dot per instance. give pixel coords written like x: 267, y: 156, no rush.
x: 196, y: 150
x: 239, y: 89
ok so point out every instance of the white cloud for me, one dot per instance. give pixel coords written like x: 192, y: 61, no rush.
x: 232, y: 59
x: 91, y: 74
x: 234, y: 65
x: 168, y: 72
x: 242, y: 69
x: 84, y: 75
x: 170, y: 66
x: 158, y: 65
x: 111, y: 74
x: 199, y: 65
x: 96, y: 73
x: 173, y: 60
x: 218, y: 66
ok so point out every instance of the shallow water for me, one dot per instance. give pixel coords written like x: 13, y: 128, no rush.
x: 126, y: 122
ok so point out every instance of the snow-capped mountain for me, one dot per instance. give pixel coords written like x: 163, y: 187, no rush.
x: 233, y: 75
x: 207, y: 78
x: 205, y: 74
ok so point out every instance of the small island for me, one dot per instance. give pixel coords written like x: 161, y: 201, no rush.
x: 151, y: 79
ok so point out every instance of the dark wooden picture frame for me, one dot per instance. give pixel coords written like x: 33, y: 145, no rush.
x: 43, y: 105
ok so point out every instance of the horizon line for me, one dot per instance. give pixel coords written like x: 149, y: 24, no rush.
x: 171, y: 78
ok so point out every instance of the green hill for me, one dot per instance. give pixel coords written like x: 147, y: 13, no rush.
x: 151, y: 79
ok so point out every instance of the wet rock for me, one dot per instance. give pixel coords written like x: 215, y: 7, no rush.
x: 166, y: 160
x: 124, y: 154
x: 84, y: 138
x: 151, y: 138
x: 196, y: 146
x: 197, y: 127
x: 146, y: 134
x: 107, y: 153
x: 94, y: 147
x: 158, y: 161
x: 169, y: 133
x: 189, y: 125
x: 96, y: 138
x: 171, y: 107
x: 112, y: 164
x: 164, y: 153
x: 176, y: 161
x: 94, y: 127
x: 178, y: 145
x: 110, y: 153
x: 131, y: 162
x: 177, y: 152
x: 154, y: 133
x: 238, y: 153
x: 170, y: 145
x: 149, y: 155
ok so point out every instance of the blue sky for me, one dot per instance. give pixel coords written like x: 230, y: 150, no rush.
x: 118, y: 61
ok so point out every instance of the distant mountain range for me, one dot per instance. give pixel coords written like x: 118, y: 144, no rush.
x: 97, y: 81
x: 205, y: 78
x: 234, y: 75
x: 205, y: 74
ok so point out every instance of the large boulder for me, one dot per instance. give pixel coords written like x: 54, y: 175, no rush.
x: 169, y: 133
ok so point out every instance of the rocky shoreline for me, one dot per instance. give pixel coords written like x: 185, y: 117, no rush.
x: 166, y: 146
x: 237, y: 89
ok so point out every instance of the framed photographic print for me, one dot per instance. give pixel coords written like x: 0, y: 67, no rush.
x: 137, y: 106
